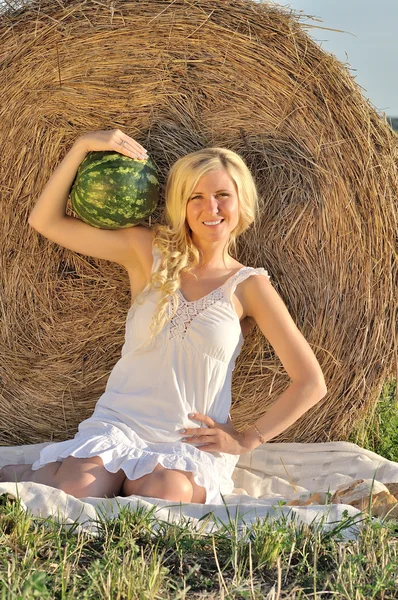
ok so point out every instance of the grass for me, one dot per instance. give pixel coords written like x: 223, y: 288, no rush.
x: 127, y: 559
x: 137, y: 556
x: 379, y: 432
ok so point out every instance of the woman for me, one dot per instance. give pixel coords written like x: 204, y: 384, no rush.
x: 162, y: 426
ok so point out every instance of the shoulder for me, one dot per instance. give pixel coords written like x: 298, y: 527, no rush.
x: 256, y: 291
x: 254, y: 277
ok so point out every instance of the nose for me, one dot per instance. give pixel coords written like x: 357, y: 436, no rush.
x: 211, y: 205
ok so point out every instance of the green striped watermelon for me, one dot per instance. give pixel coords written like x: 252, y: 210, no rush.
x: 113, y: 191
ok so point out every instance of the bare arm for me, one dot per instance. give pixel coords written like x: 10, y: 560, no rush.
x: 51, y: 204
x: 49, y: 214
x: 308, y: 387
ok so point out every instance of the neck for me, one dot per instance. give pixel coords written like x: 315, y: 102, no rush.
x: 212, y: 255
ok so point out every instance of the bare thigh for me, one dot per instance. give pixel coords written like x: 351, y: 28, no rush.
x: 142, y: 486
x: 82, y: 477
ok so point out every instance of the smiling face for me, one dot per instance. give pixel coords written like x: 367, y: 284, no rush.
x: 213, y: 198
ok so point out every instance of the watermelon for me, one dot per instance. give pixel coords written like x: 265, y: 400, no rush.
x: 113, y: 191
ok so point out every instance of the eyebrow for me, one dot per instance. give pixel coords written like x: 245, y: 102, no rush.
x: 200, y: 193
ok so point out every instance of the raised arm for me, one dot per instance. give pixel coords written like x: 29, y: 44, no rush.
x: 49, y: 214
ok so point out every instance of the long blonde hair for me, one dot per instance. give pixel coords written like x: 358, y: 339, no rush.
x: 179, y: 254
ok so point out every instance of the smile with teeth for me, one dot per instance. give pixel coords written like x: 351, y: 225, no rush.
x: 213, y: 223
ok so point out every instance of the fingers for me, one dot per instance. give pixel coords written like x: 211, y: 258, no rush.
x: 202, y: 418
x: 115, y: 140
x: 126, y: 145
x: 194, y: 440
x: 197, y: 430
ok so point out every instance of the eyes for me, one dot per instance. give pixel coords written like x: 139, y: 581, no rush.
x: 195, y: 197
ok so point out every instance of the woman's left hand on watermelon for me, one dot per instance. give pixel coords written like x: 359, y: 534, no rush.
x: 216, y: 437
x: 112, y: 139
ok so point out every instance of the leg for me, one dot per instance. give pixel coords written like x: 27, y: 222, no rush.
x: 13, y: 473
x: 166, y: 484
x: 82, y: 477
x: 199, y: 492
x: 79, y: 477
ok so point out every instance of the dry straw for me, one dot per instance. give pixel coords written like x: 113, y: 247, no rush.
x: 178, y: 76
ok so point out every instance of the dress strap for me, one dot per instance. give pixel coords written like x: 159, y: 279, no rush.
x: 240, y: 276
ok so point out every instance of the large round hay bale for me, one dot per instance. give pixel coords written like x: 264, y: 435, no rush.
x: 179, y: 76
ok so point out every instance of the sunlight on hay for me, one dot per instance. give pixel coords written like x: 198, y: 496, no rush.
x: 179, y: 76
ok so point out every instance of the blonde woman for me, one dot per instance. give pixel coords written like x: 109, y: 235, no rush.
x: 162, y: 426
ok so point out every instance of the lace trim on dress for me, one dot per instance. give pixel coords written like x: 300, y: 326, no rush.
x: 187, y: 311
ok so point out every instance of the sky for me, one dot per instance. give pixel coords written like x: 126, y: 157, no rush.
x: 369, y: 43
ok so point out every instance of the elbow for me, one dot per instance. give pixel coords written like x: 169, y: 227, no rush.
x: 33, y: 224
x: 315, y: 387
x: 320, y: 387
x: 318, y: 384
x: 316, y: 391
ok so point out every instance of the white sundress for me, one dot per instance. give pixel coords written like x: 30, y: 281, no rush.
x: 135, y: 424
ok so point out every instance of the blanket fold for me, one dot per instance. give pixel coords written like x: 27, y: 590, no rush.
x: 283, y: 480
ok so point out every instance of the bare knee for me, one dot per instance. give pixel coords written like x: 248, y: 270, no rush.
x: 84, y: 486
x: 165, y: 484
x: 80, y: 487
x: 82, y: 477
x: 176, y: 486
x: 169, y: 485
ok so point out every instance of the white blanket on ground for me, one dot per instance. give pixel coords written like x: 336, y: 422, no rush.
x: 263, y: 478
